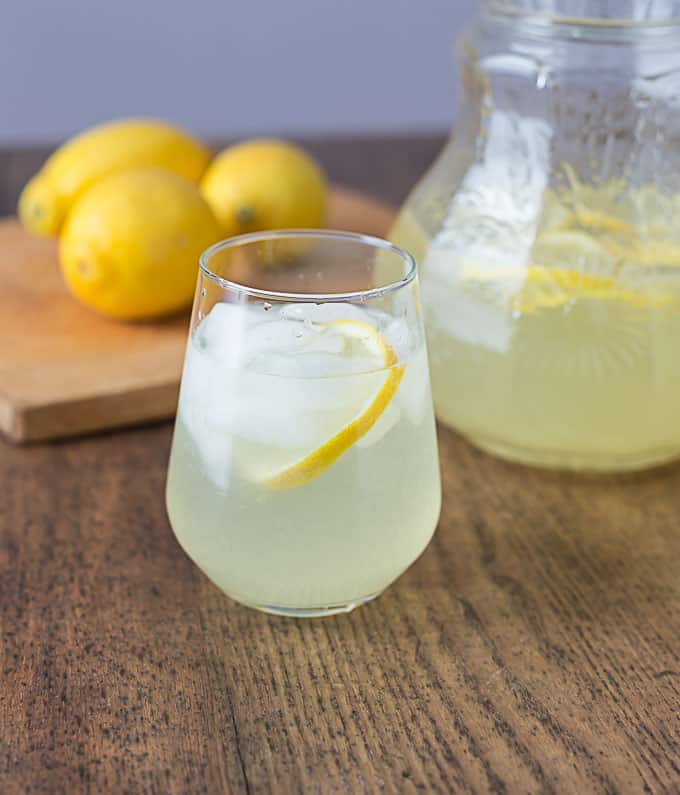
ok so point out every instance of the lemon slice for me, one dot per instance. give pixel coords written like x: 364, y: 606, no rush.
x: 548, y: 288
x: 316, y: 462
x: 596, y: 221
x: 571, y: 265
x: 656, y: 254
x: 569, y: 247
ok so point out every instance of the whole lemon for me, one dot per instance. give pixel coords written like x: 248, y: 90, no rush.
x: 98, y: 152
x: 130, y: 245
x: 265, y: 184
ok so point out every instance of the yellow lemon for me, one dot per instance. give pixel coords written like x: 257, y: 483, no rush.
x: 265, y: 184
x: 317, y: 461
x: 98, y: 152
x: 130, y: 245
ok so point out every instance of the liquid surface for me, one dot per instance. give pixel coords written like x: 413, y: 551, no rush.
x: 260, y: 392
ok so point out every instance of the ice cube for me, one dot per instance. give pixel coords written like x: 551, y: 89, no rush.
x: 293, y: 409
x: 488, y: 233
x: 223, y: 332
x: 289, y: 337
x: 398, y: 334
x: 466, y: 317
x: 284, y: 382
x: 324, y: 313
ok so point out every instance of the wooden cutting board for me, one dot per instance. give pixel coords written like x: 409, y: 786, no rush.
x: 64, y: 370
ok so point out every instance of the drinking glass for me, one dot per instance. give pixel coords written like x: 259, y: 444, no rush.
x: 304, y: 475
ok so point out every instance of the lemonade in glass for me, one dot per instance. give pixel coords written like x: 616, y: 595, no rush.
x: 304, y: 476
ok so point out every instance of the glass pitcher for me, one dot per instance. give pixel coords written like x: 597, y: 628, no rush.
x: 548, y: 235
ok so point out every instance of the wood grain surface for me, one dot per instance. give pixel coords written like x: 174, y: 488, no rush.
x: 532, y: 649
x: 65, y: 370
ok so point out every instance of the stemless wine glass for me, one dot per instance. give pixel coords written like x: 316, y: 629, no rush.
x: 304, y: 476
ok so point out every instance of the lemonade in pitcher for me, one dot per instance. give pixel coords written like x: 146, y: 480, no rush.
x: 304, y: 474
x: 548, y: 238
x: 569, y: 357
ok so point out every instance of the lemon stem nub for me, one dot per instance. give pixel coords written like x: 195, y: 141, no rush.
x: 245, y: 215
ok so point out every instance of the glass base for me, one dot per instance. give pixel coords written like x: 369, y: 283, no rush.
x: 309, y: 612
x: 573, y: 462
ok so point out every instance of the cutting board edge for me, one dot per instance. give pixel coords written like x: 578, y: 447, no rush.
x: 26, y: 424
x: 11, y: 419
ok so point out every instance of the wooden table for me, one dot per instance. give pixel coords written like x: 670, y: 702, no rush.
x: 533, y: 648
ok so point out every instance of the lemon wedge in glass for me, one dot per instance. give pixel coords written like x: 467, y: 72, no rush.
x: 321, y: 458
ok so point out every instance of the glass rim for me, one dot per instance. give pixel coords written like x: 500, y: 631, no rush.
x: 315, y: 298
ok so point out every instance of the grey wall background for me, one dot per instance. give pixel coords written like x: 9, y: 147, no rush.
x: 228, y: 67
